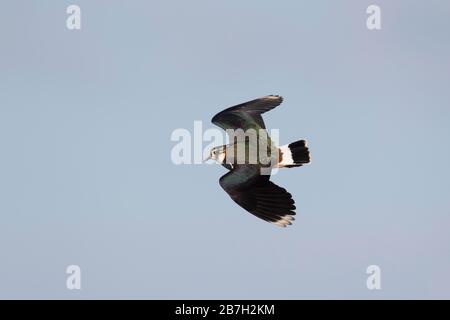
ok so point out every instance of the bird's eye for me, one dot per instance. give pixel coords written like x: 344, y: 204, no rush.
x: 214, y: 152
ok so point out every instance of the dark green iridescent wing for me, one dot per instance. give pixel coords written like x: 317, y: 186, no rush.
x: 246, y: 115
x: 241, y: 177
x: 258, y: 195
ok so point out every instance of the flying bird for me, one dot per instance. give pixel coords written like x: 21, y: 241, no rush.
x: 250, y: 157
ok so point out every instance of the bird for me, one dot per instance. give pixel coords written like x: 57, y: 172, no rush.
x: 250, y: 157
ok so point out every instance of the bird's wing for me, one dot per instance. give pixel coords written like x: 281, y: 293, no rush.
x: 246, y: 115
x: 258, y: 195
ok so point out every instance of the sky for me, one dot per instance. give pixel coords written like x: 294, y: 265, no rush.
x: 87, y: 179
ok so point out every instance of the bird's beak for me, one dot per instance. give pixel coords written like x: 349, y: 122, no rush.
x: 207, y: 158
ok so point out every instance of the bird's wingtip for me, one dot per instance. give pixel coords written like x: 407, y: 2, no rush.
x: 284, y: 221
x: 275, y: 99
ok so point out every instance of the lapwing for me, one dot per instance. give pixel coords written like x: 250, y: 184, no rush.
x: 248, y: 180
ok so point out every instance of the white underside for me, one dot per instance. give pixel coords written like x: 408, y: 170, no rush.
x: 221, y: 157
x: 286, y: 157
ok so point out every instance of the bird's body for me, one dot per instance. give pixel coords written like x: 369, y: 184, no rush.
x: 250, y: 158
x: 249, y: 151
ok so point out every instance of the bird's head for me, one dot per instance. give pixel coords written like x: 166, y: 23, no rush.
x: 217, y: 154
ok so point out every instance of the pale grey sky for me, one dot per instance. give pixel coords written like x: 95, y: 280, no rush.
x: 85, y: 170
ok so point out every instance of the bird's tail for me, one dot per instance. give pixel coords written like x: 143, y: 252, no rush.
x: 294, y: 154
